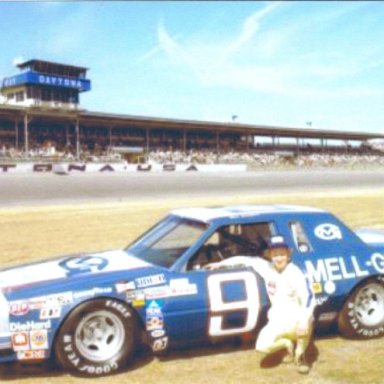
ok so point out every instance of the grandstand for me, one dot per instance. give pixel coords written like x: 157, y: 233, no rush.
x: 40, y: 115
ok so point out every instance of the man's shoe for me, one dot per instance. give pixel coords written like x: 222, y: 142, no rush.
x: 302, y: 365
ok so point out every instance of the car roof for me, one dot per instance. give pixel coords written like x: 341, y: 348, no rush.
x: 237, y: 211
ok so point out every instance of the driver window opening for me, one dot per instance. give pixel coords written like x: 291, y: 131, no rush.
x: 299, y: 237
x: 233, y: 240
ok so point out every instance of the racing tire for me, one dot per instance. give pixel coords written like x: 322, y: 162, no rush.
x: 362, y: 316
x: 97, y: 338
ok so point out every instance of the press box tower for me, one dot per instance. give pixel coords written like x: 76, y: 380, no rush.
x: 45, y: 84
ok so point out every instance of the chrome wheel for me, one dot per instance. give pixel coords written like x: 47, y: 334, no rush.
x: 369, y: 305
x: 100, y: 335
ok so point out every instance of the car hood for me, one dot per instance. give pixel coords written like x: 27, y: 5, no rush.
x: 66, y: 267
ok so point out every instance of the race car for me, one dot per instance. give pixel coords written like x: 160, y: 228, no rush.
x: 92, y: 312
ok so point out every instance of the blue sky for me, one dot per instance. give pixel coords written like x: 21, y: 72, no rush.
x: 273, y: 63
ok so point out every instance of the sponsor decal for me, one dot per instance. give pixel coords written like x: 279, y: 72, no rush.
x: 158, y: 333
x: 176, y: 287
x: 83, y: 264
x: 92, y: 292
x: 328, y: 316
x: 131, y: 295
x: 139, y: 299
x: 50, y: 306
x: 29, y: 326
x: 154, y: 316
x: 157, y: 292
x: 329, y: 287
x: 321, y: 300
x: 317, y: 288
x: 180, y: 287
x: 335, y: 269
x: 125, y: 286
x: 39, y: 339
x: 160, y: 344
x: 18, y: 308
x: 155, y: 323
x: 31, y: 355
x: 51, y: 301
x: 136, y: 298
x: 50, y: 313
x: 147, y: 281
x: 20, y: 341
x: 328, y: 231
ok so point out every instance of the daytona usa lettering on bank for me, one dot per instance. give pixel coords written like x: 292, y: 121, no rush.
x: 69, y: 168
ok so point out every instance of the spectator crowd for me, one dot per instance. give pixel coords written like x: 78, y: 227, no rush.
x: 253, y: 159
x: 267, y: 158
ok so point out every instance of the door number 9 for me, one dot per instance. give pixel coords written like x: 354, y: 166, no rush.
x: 219, y: 308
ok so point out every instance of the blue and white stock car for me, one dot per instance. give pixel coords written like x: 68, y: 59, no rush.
x: 91, y: 312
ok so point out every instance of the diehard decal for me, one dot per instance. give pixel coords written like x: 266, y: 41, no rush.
x: 29, y: 326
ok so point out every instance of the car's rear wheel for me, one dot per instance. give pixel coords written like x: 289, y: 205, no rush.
x: 97, y: 338
x: 362, y: 315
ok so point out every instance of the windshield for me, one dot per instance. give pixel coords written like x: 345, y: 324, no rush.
x: 167, y: 241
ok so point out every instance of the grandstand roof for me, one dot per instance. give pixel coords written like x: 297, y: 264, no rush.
x: 108, y: 120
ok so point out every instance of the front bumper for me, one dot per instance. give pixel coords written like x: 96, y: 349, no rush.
x: 5, y: 342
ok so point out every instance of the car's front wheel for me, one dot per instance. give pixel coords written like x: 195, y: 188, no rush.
x: 362, y: 315
x: 97, y: 338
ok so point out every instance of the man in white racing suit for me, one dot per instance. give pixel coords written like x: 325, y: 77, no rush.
x: 290, y: 317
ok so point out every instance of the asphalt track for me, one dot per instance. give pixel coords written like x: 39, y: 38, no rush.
x: 20, y: 190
